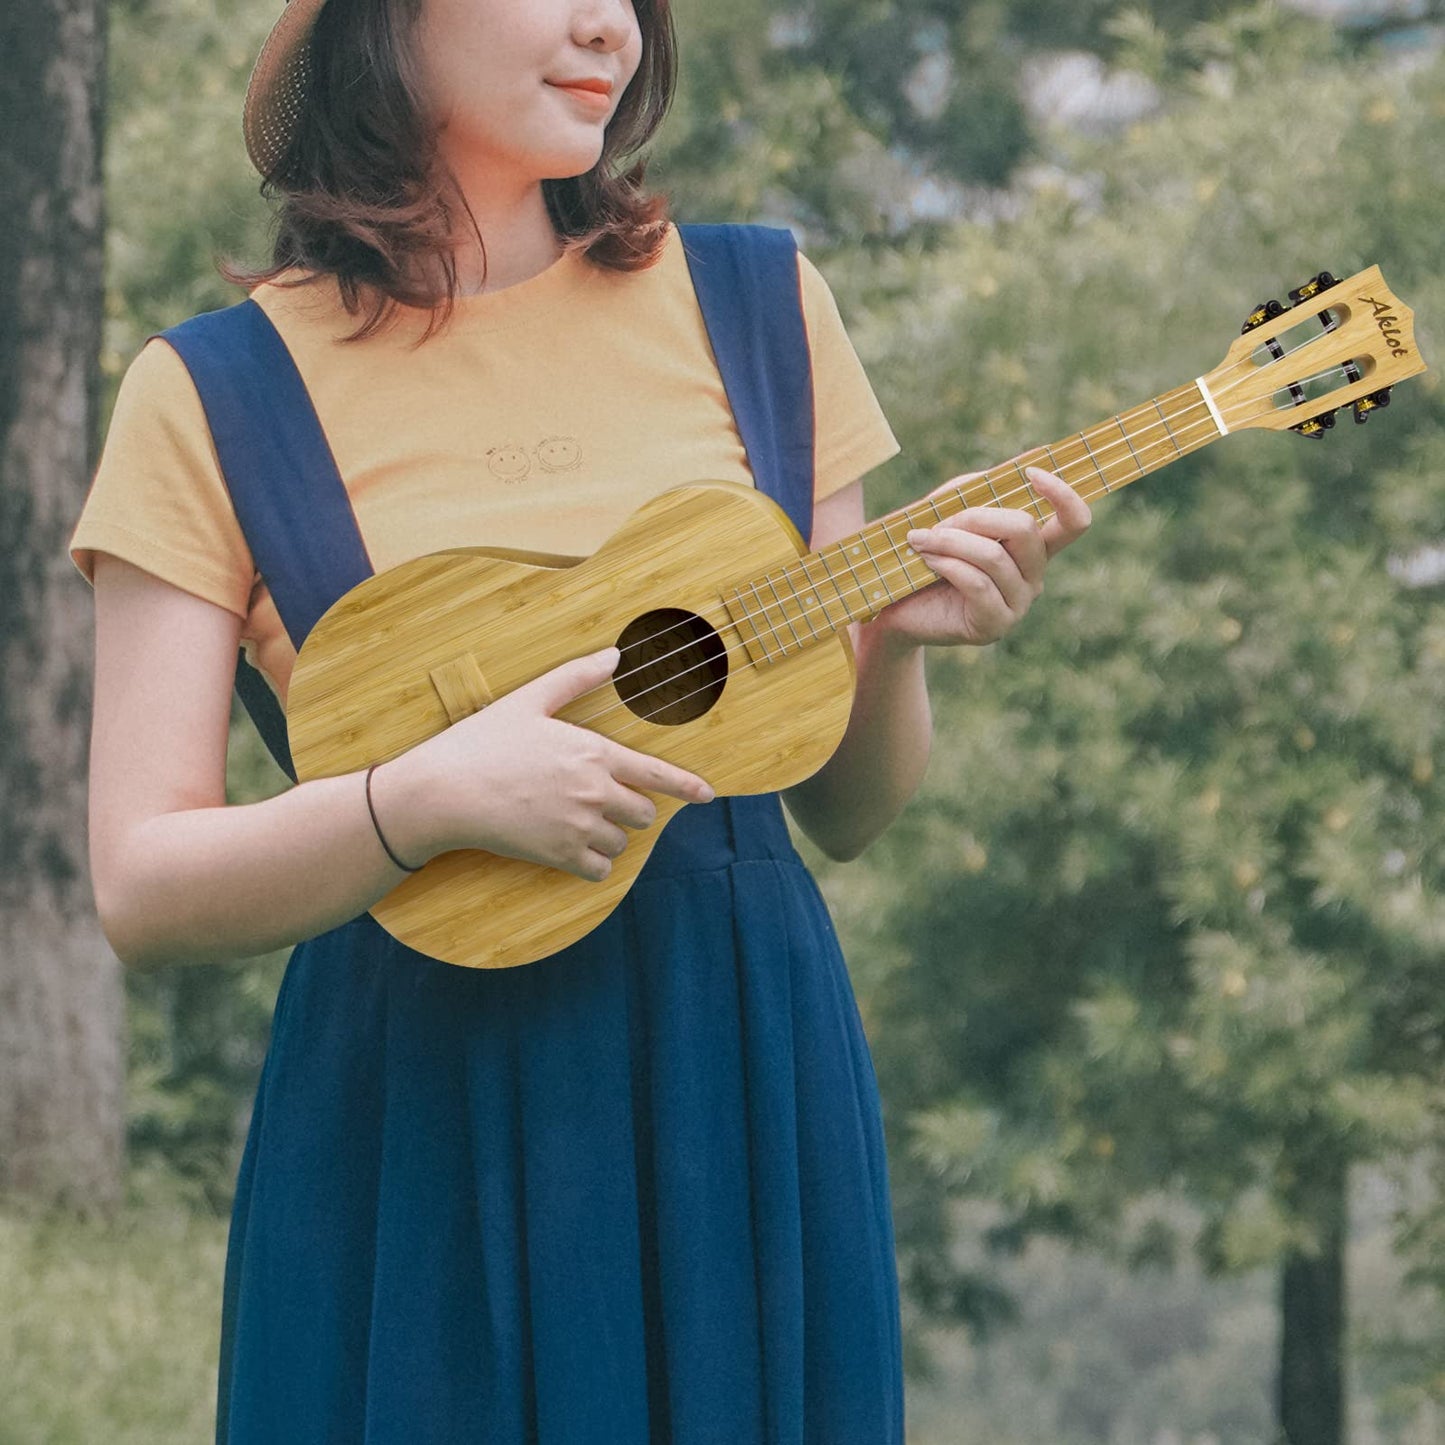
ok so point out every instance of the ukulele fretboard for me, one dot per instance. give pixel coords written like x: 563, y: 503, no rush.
x: 855, y: 579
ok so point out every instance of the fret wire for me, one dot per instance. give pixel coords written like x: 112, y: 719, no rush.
x: 921, y: 581
x: 1029, y: 491
x: 838, y: 591
x: 1168, y: 430
x: 808, y: 607
x: 1092, y: 458
x: 748, y: 613
x: 1055, y: 468
x: 857, y: 581
x: 1123, y: 432
x: 902, y: 560
x: 757, y: 597
x: 789, y: 575
x: 887, y: 591
x: 783, y: 608
x: 988, y: 482
x: 833, y: 582
x: 910, y: 513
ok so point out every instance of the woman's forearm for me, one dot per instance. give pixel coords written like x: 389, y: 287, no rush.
x: 175, y: 882
x: 207, y: 884
x: 880, y: 762
x: 213, y: 883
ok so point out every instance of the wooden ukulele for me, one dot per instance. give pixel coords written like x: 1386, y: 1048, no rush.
x: 736, y: 662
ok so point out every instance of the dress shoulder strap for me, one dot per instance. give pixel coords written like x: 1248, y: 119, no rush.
x: 283, y: 480
x: 747, y: 285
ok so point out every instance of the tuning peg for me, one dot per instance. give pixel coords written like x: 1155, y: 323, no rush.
x: 1312, y: 287
x: 1316, y: 426
x: 1364, y: 405
x: 1265, y: 311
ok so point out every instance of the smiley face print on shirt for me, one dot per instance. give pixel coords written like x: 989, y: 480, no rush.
x: 508, y: 462
x: 559, y: 454
x: 512, y: 463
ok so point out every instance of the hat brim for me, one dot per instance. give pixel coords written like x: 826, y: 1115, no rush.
x: 278, y: 87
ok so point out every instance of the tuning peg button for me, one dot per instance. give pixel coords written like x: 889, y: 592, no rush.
x: 1316, y: 426
x: 1265, y: 311
x: 1312, y: 287
x: 1364, y: 405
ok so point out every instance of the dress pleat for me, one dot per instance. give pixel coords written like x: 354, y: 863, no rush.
x: 634, y: 1194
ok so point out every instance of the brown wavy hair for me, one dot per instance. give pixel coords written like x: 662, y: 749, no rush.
x: 365, y: 197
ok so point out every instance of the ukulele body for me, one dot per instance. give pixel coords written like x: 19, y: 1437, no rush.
x: 420, y: 646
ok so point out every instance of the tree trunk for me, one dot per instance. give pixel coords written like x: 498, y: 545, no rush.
x: 61, y: 999
x: 1312, y: 1310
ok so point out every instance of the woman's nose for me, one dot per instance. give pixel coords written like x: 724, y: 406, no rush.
x: 604, y: 24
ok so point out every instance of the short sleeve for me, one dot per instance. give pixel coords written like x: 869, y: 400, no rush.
x: 158, y: 499
x: 852, y: 435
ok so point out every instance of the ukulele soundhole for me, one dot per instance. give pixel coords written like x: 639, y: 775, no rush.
x: 673, y: 666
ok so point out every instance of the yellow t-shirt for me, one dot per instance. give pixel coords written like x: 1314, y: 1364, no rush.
x: 540, y: 418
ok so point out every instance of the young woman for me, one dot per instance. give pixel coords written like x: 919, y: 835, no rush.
x: 635, y: 1192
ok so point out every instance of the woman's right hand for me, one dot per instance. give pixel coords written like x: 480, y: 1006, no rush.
x: 514, y: 779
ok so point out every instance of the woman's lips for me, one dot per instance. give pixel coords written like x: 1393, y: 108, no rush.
x: 595, y: 100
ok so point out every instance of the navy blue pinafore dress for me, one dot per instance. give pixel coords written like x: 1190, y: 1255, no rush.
x: 632, y: 1194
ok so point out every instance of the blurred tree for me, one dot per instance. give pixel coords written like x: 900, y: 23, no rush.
x: 181, y: 193
x: 1168, y: 913
x: 61, y: 1080
x: 836, y: 114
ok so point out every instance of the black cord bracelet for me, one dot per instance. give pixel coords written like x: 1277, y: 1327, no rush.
x: 381, y: 838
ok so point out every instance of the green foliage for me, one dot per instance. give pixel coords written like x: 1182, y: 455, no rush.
x: 826, y: 115
x: 179, y: 189
x: 1168, y: 913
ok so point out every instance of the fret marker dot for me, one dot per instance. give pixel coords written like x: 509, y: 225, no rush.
x: 877, y: 591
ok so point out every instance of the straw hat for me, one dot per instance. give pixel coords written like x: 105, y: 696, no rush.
x: 278, y: 86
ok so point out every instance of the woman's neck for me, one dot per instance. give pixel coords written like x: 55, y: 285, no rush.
x: 521, y: 241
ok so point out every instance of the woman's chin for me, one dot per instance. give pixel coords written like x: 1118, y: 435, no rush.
x: 575, y: 161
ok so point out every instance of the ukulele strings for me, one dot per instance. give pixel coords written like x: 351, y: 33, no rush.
x: 1247, y: 365
x: 884, y: 576
x: 627, y: 727
x: 1094, y: 454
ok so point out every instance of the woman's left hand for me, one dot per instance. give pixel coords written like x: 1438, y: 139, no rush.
x: 990, y: 562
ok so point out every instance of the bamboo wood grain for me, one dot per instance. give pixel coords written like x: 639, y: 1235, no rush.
x: 362, y: 692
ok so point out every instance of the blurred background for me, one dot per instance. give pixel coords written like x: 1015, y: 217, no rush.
x: 1154, y: 966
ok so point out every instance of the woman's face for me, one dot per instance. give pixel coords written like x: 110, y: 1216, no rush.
x: 495, y: 71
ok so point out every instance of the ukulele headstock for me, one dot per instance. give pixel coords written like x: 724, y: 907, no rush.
x: 1338, y: 344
